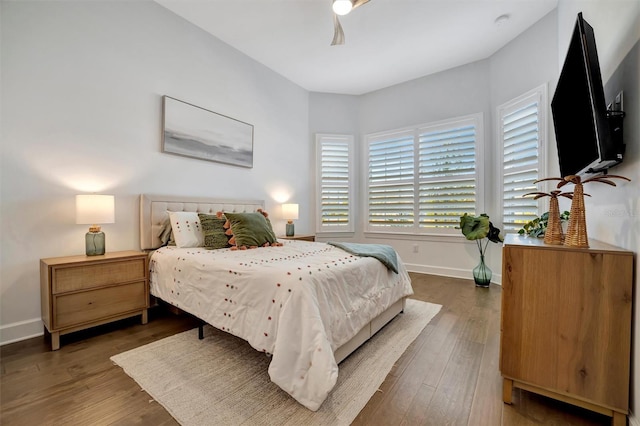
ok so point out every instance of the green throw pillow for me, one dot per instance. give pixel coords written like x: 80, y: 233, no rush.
x: 213, y: 230
x: 251, y: 229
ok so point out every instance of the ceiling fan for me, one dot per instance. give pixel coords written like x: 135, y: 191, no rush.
x: 342, y: 7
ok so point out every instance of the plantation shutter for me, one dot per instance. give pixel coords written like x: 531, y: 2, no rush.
x: 422, y: 179
x: 521, y: 163
x: 447, y: 175
x: 391, y: 181
x: 334, y: 179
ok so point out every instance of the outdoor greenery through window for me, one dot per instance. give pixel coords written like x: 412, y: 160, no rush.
x: 521, y: 124
x: 421, y: 180
x: 334, y: 177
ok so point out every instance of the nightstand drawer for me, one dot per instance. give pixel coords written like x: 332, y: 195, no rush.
x: 87, y: 306
x: 83, y: 276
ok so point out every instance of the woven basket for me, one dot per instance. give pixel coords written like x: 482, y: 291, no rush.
x: 553, y: 233
x: 577, y: 231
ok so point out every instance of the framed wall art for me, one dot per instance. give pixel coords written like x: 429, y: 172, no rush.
x: 195, y: 132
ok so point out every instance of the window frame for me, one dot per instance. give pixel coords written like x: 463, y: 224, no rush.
x: 350, y: 143
x: 378, y: 137
x: 538, y: 94
x: 415, y: 230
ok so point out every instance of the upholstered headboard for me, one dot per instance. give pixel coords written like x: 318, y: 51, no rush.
x: 154, y: 211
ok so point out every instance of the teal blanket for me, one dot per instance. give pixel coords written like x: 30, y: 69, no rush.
x: 384, y: 253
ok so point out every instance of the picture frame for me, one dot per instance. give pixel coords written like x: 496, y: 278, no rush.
x: 195, y: 132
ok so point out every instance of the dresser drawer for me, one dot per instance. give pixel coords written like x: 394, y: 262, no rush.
x: 85, y: 276
x: 94, y: 305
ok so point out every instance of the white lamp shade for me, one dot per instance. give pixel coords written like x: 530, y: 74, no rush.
x: 342, y: 7
x: 92, y: 209
x: 290, y: 211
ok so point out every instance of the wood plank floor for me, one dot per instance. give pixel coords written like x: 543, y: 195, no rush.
x: 448, y: 376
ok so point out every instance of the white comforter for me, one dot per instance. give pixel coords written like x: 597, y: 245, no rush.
x: 298, y: 302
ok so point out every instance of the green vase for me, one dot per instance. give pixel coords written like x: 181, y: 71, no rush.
x: 94, y: 243
x: 482, y: 274
x: 290, y: 230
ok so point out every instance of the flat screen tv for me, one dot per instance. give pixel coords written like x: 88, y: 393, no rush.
x: 588, y: 136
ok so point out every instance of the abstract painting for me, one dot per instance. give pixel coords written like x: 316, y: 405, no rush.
x: 196, y: 132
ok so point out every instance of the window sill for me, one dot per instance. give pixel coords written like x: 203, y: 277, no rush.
x: 345, y: 234
x: 448, y: 238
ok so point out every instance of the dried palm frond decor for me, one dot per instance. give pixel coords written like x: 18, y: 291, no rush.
x: 553, y: 234
x: 577, y: 231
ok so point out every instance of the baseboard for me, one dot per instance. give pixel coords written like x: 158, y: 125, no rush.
x: 21, y: 330
x: 449, y: 272
x: 633, y: 420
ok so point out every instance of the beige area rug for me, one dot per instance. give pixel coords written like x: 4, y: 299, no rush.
x: 221, y: 380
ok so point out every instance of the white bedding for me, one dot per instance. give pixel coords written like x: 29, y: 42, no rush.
x: 298, y: 302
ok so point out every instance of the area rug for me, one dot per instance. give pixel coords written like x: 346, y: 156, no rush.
x: 221, y: 380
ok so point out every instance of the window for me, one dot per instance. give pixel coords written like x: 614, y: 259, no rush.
x: 334, y: 181
x: 391, y: 180
x: 422, y: 180
x: 447, y: 174
x: 521, y: 124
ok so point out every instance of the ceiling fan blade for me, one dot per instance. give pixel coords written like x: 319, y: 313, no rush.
x: 338, y: 34
x: 358, y: 3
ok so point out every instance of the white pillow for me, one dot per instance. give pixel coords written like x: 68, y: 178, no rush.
x: 186, y: 228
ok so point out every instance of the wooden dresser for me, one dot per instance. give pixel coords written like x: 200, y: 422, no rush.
x: 79, y: 292
x: 566, y: 323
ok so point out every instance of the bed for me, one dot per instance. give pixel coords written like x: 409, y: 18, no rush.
x: 308, y: 305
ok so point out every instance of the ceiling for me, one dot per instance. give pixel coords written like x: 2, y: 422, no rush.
x: 387, y: 41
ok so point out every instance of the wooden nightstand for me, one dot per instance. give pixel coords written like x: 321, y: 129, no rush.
x: 79, y: 292
x: 299, y: 237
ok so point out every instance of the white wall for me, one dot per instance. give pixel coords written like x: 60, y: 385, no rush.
x: 81, y: 111
x: 514, y: 73
x: 613, y: 214
x: 456, y: 92
x: 524, y: 64
x: 335, y: 114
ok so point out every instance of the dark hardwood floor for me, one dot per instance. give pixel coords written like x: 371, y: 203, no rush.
x: 448, y: 376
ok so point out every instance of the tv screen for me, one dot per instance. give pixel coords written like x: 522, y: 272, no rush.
x: 580, y: 118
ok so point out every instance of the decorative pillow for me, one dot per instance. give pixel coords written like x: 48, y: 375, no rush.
x: 166, y: 235
x: 251, y: 230
x: 186, y: 228
x: 213, y: 231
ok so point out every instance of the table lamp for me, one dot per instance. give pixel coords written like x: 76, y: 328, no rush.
x: 290, y: 212
x: 93, y: 209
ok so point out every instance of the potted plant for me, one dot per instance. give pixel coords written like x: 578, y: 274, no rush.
x: 481, y: 230
x: 538, y: 226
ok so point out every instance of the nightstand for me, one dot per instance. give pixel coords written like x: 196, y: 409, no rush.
x: 298, y: 237
x: 79, y: 292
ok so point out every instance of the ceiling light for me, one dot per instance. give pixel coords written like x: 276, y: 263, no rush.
x: 342, y: 7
